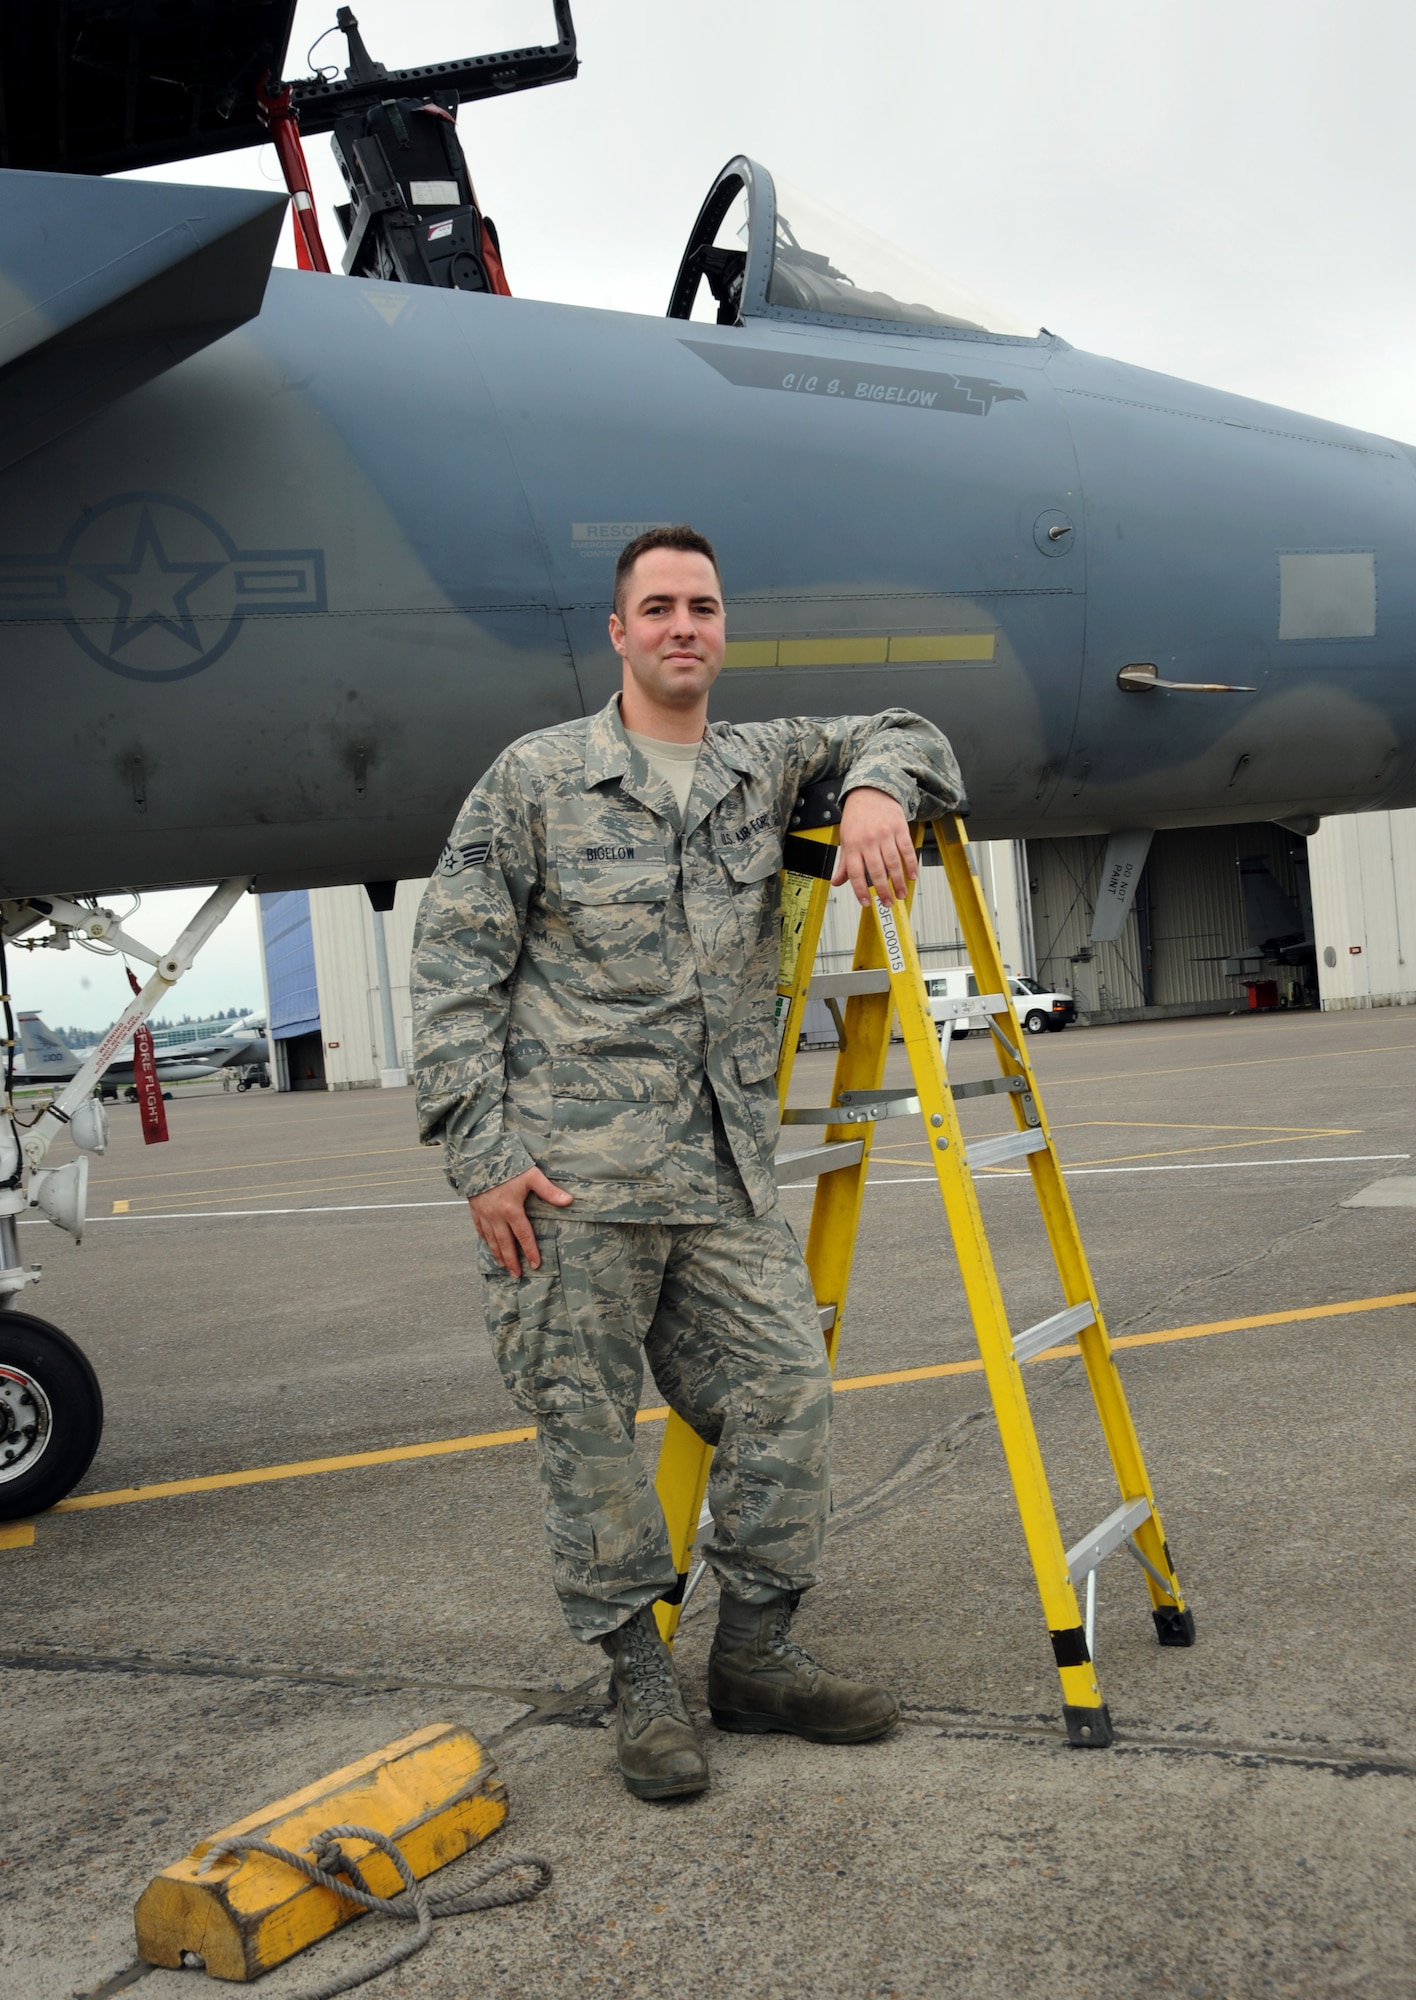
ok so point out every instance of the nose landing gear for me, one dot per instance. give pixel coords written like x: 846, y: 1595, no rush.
x: 51, y: 1415
x: 51, y: 1407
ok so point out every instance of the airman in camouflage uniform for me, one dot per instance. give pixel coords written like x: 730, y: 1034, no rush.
x: 594, y: 982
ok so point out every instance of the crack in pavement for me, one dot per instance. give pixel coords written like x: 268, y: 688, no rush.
x: 928, y: 1463
x: 1140, y: 1740
x: 546, y: 1705
x: 923, y: 1465
x: 117, y: 1982
x: 1168, y: 1304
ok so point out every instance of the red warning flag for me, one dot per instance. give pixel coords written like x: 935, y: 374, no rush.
x: 150, y: 1104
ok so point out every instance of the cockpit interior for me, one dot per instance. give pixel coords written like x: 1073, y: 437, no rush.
x: 763, y: 249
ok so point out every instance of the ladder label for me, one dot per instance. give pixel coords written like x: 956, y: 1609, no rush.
x: 894, y: 950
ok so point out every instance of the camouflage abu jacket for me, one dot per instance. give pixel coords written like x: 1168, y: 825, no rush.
x: 584, y: 969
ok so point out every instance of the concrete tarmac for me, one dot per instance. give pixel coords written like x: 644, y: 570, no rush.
x: 290, y: 1280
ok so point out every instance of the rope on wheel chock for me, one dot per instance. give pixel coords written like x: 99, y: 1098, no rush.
x: 330, y: 1867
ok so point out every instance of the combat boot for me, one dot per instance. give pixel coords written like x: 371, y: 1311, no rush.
x: 760, y: 1679
x: 657, y: 1746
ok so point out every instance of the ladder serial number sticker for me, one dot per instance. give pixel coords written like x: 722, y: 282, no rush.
x: 894, y: 950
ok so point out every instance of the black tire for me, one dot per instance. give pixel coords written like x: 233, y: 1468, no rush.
x: 1036, y: 1022
x: 32, y: 1347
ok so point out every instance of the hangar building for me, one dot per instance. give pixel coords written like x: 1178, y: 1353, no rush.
x: 1185, y: 947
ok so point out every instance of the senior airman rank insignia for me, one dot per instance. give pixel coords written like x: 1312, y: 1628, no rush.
x: 454, y: 859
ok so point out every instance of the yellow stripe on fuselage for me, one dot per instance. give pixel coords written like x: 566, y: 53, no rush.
x: 882, y: 649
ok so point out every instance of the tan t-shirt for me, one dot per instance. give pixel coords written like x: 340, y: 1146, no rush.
x: 674, y: 763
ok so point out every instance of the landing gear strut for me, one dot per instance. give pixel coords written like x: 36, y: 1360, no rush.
x: 51, y: 1407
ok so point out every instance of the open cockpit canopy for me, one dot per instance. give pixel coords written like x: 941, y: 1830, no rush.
x: 762, y: 249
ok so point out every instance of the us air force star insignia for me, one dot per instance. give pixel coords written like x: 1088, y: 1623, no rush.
x: 153, y: 588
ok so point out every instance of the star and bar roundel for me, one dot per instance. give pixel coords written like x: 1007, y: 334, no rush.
x: 153, y: 588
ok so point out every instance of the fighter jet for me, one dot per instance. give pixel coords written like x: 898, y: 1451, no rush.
x: 301, y: 555
x: 297, y: 554
x: 46, y: 1057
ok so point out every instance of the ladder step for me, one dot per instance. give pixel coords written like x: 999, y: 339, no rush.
x: 1093, y: 1549
x: 827, y: 1317
x: 1012, y: 1146
x: 818, y: 1160
x: 845, y: 985
x: 1047, y: 1332
x: 978, y: 1003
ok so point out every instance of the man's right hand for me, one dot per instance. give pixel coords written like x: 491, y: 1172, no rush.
x: 500, y: 1219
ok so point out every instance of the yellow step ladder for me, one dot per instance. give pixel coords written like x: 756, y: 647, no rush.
x: 886, y: 979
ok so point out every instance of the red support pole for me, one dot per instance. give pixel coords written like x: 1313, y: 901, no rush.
x: 284, y: 128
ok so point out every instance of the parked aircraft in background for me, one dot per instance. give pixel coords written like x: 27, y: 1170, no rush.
x: 46, y: 1058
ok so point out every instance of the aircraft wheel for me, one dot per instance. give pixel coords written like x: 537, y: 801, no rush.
x: 51, y: 1415
x: 1037, y: 1022
x: 130, y: 1095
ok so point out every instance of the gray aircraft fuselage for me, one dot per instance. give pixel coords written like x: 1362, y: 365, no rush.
x: 274, y: 611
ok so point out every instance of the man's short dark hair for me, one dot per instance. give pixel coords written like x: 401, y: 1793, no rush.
x: 679, y: 536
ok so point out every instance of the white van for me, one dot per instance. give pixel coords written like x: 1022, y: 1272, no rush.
x: 1038, y: 1009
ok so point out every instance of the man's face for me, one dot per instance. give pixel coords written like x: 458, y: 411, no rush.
x: 672, y: 635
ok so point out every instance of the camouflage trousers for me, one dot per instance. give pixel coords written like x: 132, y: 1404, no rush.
x: 724, y: 1316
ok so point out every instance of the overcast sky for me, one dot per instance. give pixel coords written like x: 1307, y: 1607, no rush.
x: 1224, y: 192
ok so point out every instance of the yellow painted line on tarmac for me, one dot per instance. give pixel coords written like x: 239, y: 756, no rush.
x: 1239, y: 1062
x: 482, y: 1441
x: 1174, y: 1152
x: 255, y: 1166
x: 120, y: 1208
x: 16, y: 1534
x: 349, y: 1183
x: 1205, y: 1125
x: 1161, y: 1339
x: 1284, y: 1134
x: 261, y: 1475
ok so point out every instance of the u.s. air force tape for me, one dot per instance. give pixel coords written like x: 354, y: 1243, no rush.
x: 454, y: 859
